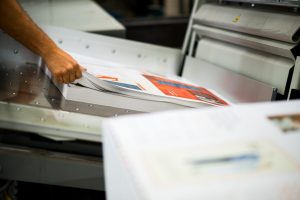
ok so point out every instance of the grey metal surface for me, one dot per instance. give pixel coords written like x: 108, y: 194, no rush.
x: 85, y: 15
x: 264, y: 67
x: 288, y: 3
x: 253, y: 42
x: 188, y: 35
x: 50, y: 123
x: 27, y: 85
x: 232, y: 86
x: 295, y: 83
x: 40, y: 166
x: 30, y: 102
x: 87, y: 48
x: 109, y: 51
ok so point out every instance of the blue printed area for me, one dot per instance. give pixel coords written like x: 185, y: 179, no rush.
x: 239, y: 158
x: 178, y: 85
x: 125, y: 85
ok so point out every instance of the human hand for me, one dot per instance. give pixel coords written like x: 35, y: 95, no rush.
x: 63, y: 67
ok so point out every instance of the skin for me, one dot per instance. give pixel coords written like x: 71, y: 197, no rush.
x: 15, y: 22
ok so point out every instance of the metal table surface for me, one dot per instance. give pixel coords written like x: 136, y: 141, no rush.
x: 28, y: 85
x: 28, y: 156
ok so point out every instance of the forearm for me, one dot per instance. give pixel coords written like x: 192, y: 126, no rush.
x: 15, y: 21
x: 25, y: 30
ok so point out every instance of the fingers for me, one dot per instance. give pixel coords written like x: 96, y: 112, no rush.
x: 66, y: 77
x: 72, y: 76
x: 82, y: 69
x: 63, y: 67
x: 79, y: 72
x: 59, y: 79
x: 67, y: 74
x: 71, y: 73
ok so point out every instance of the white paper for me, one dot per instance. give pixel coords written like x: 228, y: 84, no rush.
x: 148, y: 86
x: 237, y: 152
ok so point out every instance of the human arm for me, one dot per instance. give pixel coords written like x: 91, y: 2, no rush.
x: 20, y: 26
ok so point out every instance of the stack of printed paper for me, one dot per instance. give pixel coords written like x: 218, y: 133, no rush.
x: 237, y: 152
x: 133, y: 83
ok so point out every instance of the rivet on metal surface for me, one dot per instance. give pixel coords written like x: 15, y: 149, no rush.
x: 127, y: 111
x: 25, y: 81
x: 60, y: 41
x: 139, y: 55
x: 16, y: 51
x: 115, y: 115
x: 18, y: 108
x: 164, y: 60
x: 52, y: 99
x: 13, y: 93
x: 77, y: 109
x: 21, y: 73
x: 87, y: 46
x: 90, y: 105
x: 37, y: 103
x: 113, y: 51
x: 42, y: 119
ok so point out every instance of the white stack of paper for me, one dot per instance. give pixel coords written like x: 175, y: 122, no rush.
x: 237, y: 152
x: 147, y: 86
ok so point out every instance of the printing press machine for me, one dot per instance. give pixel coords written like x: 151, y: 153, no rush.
x: 51, y: 133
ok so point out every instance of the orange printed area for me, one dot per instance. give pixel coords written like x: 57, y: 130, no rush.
x: 183, y: 90
x: 110, y: 78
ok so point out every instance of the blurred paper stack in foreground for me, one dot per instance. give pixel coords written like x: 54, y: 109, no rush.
x: 248, y: 151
